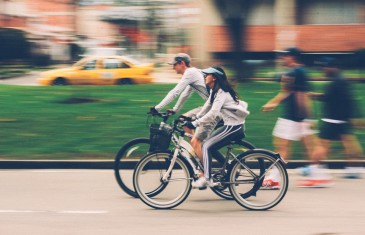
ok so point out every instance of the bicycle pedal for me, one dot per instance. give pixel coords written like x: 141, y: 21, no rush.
x: 214, y: 184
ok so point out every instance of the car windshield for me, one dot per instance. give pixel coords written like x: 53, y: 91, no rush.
x: 131, y: 60
x: 80, y: 63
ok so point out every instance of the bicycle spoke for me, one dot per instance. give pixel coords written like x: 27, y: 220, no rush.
x: 246, y: 181
x: 148, y: 178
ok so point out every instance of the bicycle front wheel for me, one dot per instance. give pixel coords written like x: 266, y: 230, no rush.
x: 247, y: 175
x: 126, y: 160
x: 148, y: 176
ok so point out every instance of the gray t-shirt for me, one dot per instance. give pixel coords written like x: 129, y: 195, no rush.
x: 192, y: 80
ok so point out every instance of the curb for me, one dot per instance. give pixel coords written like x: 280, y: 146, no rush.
x: 56, y: 164
x: 109, y: 164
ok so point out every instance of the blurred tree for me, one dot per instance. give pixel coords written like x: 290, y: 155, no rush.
x: 144, y: 21
x: 359, y: 58
x: 13, y: 44
x: 234, y: 13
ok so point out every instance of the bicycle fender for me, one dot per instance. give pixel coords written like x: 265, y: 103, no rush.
x: 263, y: 151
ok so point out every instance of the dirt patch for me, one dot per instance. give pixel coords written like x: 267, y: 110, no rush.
x: 78, y: 100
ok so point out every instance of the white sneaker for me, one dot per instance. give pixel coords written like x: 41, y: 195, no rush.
x: 353, y: 172
x: 304, y: 171
x: 200, y: 183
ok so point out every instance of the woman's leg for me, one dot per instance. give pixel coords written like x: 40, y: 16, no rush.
x: 218, y: 137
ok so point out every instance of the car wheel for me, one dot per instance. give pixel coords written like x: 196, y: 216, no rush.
x: 125, y: 81
x: 59, y: 82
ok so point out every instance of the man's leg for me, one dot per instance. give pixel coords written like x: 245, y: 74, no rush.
x: 197, y: 146
x: 317, y: 175
x: 354, y: 152
x: 191, y: 114
x: 285, y: 131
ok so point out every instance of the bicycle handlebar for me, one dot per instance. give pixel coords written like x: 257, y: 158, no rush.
x: 163, y: 115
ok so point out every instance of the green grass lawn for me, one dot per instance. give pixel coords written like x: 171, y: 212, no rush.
x: 45, y: 123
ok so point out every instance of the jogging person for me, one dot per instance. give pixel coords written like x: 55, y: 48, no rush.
x: 339, y: 113
x: 293, y: 124
x: 223, y: 100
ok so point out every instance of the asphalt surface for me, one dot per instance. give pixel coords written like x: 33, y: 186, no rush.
x: 44, y: 202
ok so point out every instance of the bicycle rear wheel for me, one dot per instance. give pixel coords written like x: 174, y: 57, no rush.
x: 126, y: 160
x: 148, y: 176
x: 221, y: 175
x: 247, y: 175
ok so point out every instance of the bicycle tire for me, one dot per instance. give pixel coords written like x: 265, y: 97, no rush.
x: 246, y: 180
x: 149, y: 172
x: 121, y: 163
x: 223, y: 190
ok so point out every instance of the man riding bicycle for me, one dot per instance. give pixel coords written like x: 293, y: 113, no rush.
x: 192, y: 80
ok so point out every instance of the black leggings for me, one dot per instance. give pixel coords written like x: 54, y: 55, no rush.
x: 219, y: 138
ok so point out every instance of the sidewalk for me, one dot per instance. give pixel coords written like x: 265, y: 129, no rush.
x: 109, y: 164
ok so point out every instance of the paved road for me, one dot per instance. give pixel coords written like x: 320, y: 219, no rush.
x: 90, y: 202
x: 29, y: 79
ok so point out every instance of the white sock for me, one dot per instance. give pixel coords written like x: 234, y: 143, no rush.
x: 318, y: 172
x: 274, y: 174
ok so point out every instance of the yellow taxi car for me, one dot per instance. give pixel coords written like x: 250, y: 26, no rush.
x: 100, y: 70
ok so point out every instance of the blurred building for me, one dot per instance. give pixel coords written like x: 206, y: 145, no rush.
x: 315, y: 26
x: 52, y: 25
x: 196, y: 27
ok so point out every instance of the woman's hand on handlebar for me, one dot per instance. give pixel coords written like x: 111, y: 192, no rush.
x: 185, y: 118
x: 190, y: 125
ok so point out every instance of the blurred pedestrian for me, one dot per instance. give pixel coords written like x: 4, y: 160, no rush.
x: 294, y: 123
x: 340, y: 113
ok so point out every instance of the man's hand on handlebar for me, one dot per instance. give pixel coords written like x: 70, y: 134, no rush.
x: 153, y: 111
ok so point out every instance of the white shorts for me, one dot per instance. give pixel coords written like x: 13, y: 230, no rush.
x: 291, y: 130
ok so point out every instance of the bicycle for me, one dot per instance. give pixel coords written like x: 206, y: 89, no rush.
x: 135, y: 149
x: 128, y: 155
x: 174, y: 171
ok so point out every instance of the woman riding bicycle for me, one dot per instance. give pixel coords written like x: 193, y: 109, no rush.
x: 223, y: 100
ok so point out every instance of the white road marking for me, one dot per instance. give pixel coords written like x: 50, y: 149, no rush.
x: 21, y: 211
x: 56, y: 171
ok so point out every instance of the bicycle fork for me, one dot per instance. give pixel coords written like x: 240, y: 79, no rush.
x: 185, y: 149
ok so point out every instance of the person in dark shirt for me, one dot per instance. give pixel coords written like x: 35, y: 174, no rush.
x: 294, y: 124
x: 339, y: 114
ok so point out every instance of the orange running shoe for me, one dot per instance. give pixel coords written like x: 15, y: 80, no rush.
x: 269, y: 184
x: 315, y: 183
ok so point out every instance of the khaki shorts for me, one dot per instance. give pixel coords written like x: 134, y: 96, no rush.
x: 205, y: 129
x: 193, y: 112
x: 291, y: 130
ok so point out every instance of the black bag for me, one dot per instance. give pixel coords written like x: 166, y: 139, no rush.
x: 160, y: 138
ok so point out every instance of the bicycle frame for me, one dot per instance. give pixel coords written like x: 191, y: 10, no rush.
x: 182, y: 148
